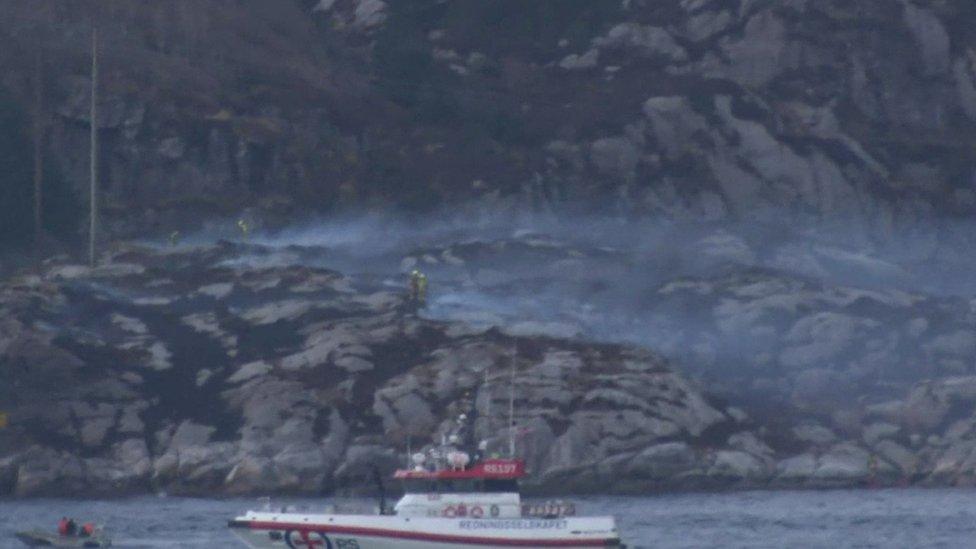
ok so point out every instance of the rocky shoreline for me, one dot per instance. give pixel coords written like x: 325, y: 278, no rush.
x: 201, y: 371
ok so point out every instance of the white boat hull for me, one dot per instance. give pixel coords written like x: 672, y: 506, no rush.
x: 294, y: 530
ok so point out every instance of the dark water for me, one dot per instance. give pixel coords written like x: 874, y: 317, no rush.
x: 883, y: 518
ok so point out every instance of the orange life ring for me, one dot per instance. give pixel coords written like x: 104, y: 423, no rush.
x: 477, y: 512
x: 450, y: 511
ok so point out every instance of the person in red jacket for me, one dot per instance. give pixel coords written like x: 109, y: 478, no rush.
x: 63, y: 526
x: 87, y: 530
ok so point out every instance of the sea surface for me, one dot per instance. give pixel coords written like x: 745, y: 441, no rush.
x: 868, y: 518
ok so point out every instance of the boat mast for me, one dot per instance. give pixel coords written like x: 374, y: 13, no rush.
x: 487, y: 400
x: 511, y: 414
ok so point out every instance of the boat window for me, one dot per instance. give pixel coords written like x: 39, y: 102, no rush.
x: 419, y: 486
x: 466, y: 486
x: 457, y: 486
x: 501, y: 485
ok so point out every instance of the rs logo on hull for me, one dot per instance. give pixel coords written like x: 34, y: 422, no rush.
x: 308, y: 539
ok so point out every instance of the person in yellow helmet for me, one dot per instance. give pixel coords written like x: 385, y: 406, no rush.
x: 418, y: 288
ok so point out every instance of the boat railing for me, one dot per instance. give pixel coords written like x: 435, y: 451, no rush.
x: 335, y: 508
x: 352, y: 508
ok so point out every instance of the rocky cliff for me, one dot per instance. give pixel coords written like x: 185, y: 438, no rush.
x: 235, y: 368
x: 700, y: 109
x: 182, y: 371
x: 721, y: 243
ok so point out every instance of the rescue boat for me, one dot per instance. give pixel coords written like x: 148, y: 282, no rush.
x: 38, y: 538
x: 452, y: 499
x: 460, y: 506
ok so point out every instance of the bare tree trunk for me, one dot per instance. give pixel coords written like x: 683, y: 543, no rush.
x: 94, y: 148
x: 38, y: 145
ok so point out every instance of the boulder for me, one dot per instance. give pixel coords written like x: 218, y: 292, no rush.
x: 190, y: 434
x: 707, y: 24
x: 204, y: 467
x: 252, y: 474
x: 575, y: 62
x: 369, y: 13
x: 876, y: 432
x: 642, y: 40
x: 249, y: 371
x: 270, y: 313
x: 843, y: 463
x: 663, y: 461
x: 736, y: 465
x: 821, y: 337
x: 899, y: 456
x: 751, y: 444
x: 797, y: 469
x: 954, y: 462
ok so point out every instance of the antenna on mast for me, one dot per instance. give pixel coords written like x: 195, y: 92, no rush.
x: 511, y: 414
x: 487, y: 390
x: 409, y: 452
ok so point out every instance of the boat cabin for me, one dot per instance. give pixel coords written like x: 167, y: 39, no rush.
x: 487, y: 489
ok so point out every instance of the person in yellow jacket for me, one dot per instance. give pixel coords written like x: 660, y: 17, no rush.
x: 418, y: 288
x: 245, y: 228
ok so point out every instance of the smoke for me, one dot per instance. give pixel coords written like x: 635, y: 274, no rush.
x: 752, y: 306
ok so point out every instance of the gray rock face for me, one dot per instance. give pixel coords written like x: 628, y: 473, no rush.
x: 663, y: 461
x: 899, y: 456
x: 735, y: 465
x: 858, y: 372
x: 764, y: 51
x: 46, y: 471
x: 310, y: 398
x: 843, y: 463
x: 707, y: 24
x: 931, y: 36
x: 584, y: 61
x: 904, y: 67
x: 336, y: 395
x: 615, y: 156
x: 641, y: 40
x: 369, y: 13
x: 673, y: 123
x: 797, y: 468
x: 877, y: 432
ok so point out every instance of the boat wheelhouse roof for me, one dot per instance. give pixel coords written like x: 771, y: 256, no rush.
x: 490, y: 469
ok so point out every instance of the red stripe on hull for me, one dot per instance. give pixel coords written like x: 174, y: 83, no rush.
x: 437, y: 538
